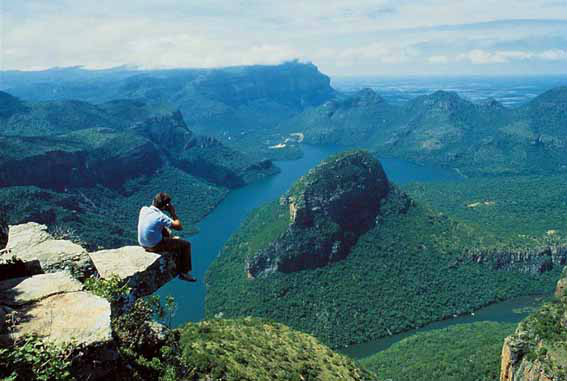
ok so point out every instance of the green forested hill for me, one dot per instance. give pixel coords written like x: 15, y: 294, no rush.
x: 254, y: 349
x: 401, y: 274
x: 464, y: 352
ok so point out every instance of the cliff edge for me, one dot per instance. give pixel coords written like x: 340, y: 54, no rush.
x: 537, y: 351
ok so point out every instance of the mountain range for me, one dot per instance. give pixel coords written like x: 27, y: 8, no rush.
x: 253, y: 109
x: 476, y: 138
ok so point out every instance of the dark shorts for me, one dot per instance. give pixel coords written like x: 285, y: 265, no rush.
x: 179, y: 246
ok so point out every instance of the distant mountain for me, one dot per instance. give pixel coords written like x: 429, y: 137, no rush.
x: 246, y: 97
x: 347, y: 121
x: 349, y: 257
x: 69, y: 146
x: 58, y: 144
x: 443, y: 128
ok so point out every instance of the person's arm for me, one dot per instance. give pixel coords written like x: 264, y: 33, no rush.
x: 176, y: 225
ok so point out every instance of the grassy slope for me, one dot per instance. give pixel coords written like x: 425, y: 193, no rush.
x: 468, y: 352
x: 400, y: 275
x: 252, y: 349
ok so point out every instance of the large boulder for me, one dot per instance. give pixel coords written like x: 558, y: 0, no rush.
x: 25, y: 290
x: 55, y: 308
x: 144, y: 272
x: 329, y: 208
x: 35, y: 246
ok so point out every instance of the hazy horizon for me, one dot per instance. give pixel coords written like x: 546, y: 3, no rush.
x: 361, y: 38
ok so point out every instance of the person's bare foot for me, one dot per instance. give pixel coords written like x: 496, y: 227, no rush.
x: 187, y: 277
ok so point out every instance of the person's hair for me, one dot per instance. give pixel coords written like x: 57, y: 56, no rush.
x: 161, y: 200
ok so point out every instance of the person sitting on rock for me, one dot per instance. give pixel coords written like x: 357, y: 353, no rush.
x: 154, y: 236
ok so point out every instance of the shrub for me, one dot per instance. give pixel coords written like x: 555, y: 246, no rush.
x: 112, y: 289
x: 33, y: 358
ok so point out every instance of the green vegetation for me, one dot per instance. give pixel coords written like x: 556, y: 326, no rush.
x: 468, y: 352
x: 95, y: 165
x: 104, y: 218
x: 400, y: 275
x: 111, y: 289
x: 526, y: 211
x: 34, y: 359
x: 147, y: 351
x: 243, y: 349
x: 253, y: 349
x: 543, y: 338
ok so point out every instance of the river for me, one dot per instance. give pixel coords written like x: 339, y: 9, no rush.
x: 509, y: 311
x: 216, y: 228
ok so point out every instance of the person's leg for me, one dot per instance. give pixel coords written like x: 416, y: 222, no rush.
x: 183, y: 250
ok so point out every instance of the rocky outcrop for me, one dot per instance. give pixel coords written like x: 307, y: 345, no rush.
x: 55, y: 305
x: 527, y: 260
x: 537, y: 350
x: 56, y: 308
x: 142, y: 271
x: 329, y: 209
x: 42, y: 253
x: 168, y: 131
x: 561, y: 289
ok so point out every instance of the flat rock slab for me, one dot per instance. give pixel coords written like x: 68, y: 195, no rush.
x: 143, y: 271
x: 21, y: 291
x: 80, y: 317
x: 33, y: 244
x: 23, y: 237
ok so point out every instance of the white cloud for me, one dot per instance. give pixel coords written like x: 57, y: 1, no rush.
x: 355, y: 37
x: 481, y: 57
x: 553, y: 55
x: 438, y: 59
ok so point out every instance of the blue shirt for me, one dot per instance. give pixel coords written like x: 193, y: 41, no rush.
x: 150, y: 224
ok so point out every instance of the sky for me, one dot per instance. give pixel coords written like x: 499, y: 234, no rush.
x: 343, y: 38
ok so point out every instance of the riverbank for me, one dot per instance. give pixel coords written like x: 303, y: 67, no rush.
x: 509, y: 311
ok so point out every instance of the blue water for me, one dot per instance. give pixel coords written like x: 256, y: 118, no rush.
x: 509, y: 311
x: 217, y: 227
